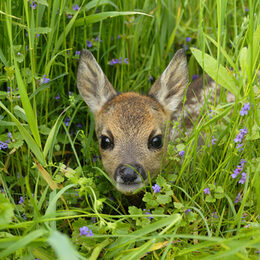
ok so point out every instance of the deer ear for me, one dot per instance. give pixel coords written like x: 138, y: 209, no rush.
x: 92, y: 83
x: 169, y: 88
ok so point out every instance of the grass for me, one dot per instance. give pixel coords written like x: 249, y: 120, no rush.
x: 51, y: 177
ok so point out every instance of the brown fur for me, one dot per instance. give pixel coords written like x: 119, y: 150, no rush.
x: 132, y: 123
x: 131, y: 118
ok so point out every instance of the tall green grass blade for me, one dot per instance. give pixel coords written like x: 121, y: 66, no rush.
x: 52, y: 135
x: 52, y: 204
x: 62, y: 246
x: 167, y: 220
x: 97, y: 3
x: 23, y: 242
x: 94, y: 18
x: 222, y: 76
x: 31, y: 118
x: 27, y: 137
x: 63, y: 36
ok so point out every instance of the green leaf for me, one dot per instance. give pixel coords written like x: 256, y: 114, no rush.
x: 163, y: 199
x: 219, y: 189
x: 134, y: 210
x: 16, y: 144
x: 160, y: 181
x: 62, y: 246
x: 22, y: 243
x: 43, y: 2
x: 94, y: 18
x: 6, y: 210
x: 178, y: 205
x: 243, y: 60
x: 53, y: 201
x: 151, y: 202
x: 96, y: 3
x: 180, y: 147
x: 163, y: 222
x: 19, y: 112
x: 209, y: 198
x: 42, y: 30
x: 221, y: 75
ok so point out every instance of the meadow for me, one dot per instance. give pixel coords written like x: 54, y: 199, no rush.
x: 56, y: 201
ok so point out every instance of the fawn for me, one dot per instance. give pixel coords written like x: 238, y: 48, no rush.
x: 132, y: 129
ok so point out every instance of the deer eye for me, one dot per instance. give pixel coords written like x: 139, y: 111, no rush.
x: 155, y: 142
x: 106, y: 143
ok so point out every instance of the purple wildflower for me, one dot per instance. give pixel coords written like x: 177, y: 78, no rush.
x: 69, y: 93
x: 206, y: 191
x: 214, y: 215
x: 3, y: 145
x: 156, y: 188
x: 118, y: 36
x: 21, y: 201
x: 57, y: 97
x: 242, y: 162
x: 243, y: 178
x: 150, y: 78
x: 77, y: 53
x: 194, y: 76
x: 210, y: 114
x: 240, y: 147
x: 67, y: 121
x: 214, y: 140
x: 10, y: 135
x: 247, y: 9
x: 79, y: 125
x: 181, y: 153
x: 187, y: 211
x: 236, y: 172
x: 238, y: 198
x: 89, y: 44
x: 44, y: 79
x: 95, y: 158
x: 126, y: 60
x: 241, y: 135
x: 75, y: 7
x: 245, y: 109
x: 147, y: 212
x: 188, y: 39
x: 239, y: 169
x: 185, y: 47
x: 18, y: 53
x: 239, y: 138
x: 69, y: 16
x: 243, y: 131
x: 33, y: 5
x: 98, y: 39
x: 85, y: 231
x: 113, y: 62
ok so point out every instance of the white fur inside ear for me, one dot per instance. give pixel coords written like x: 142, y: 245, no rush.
x: 177, y: 69
x: 92, y: 83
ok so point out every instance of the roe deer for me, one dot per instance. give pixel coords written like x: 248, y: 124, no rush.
x: 132, y: 128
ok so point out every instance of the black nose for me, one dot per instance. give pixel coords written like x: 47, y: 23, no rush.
x: 129, y: 174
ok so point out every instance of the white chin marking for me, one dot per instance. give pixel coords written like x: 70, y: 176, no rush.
x: 128, y: 188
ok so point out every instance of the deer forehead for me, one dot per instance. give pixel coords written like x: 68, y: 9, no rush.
x: 131, y: 114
